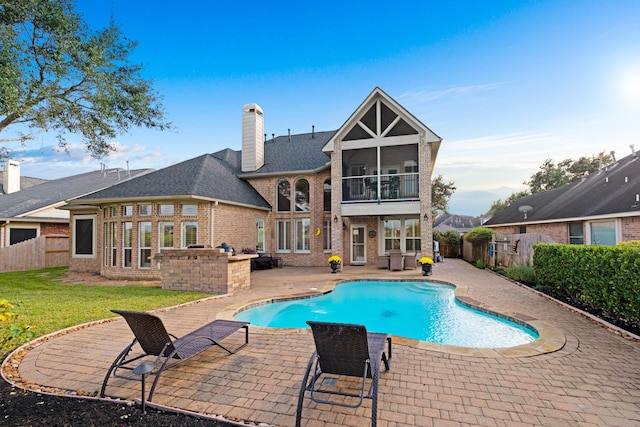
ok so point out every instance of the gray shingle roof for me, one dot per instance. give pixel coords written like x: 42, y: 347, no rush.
x: 25, y: 182
x: 611, y: 190
x: 54, y: 191
x: 205, y: 176
x: 302, y: 153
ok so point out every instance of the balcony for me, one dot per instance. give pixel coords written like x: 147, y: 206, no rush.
x: 380, y: 188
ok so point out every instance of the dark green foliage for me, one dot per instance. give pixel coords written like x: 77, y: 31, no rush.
x: 481, y: 264
x: 522, y: 273
x: 605, y: 278
x: 479, y: 234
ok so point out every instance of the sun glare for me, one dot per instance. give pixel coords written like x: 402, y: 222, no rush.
x: 629, y: 85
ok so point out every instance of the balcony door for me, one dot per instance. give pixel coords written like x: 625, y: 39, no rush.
x: 358, y: 244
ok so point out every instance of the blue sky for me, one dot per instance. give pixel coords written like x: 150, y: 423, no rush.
x: 506, y: 84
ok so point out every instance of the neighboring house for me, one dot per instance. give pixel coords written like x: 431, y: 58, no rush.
x: 33, y: 211
x: 460, y: 223
x: 11, y: 181
x: 359, y: 192
x: 602, y: 208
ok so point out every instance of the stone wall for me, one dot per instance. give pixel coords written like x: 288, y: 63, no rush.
x: 204, y: 270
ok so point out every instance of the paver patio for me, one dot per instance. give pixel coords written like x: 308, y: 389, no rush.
x: 583, y: 375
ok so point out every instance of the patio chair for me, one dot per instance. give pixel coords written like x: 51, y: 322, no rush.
x: 168, y: 350
x: 396, y: 261
x: 349, y: 350
x: 410, y: 261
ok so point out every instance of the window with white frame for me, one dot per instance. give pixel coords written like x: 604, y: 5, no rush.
x: 412, y: 234
x: 189, y: 210
x: 303, y: 235
x: 283, y: 235
x: 260, y: 234
x: 326, y: 196
x: 576, y: 233
x: 105, y: 241
x: 127, y: 244
x: 284, y: 196
x: 603, y: 233
x: 144, y: 209
x: 84, y: 238
x: 189, y: 233
x: 114, y: 243
x: 391, y: 234
x: 302, y: 195
x: 127, y: 210
x: 165, y: 209
x: 144, y: 244
x: 326, y: 233
x: 165, y: 234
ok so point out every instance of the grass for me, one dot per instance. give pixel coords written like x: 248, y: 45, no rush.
x: 43, y: 304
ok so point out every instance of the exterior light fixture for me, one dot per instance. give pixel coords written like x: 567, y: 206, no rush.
x: 335, y: 218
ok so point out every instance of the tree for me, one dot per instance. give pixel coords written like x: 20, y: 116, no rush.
x: 500, y: 204
x: 441, y: 192
x: 57, y: 74
x: 552, y: 176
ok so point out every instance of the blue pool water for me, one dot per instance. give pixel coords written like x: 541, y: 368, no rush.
x: 419, y: 310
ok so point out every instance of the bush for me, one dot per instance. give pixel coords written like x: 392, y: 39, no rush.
x: 481, y: 264
x: 598, y: 277
x: 479, y: 234
x: 522, y: 274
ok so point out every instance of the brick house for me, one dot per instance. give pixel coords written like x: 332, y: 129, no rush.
x: 359, y: 192
x: 602, y: 208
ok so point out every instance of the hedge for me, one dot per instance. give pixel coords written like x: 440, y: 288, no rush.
x: 604, y: 278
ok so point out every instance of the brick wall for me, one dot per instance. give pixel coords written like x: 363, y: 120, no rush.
x: 204, y: 270
x: 48, y: 229
x: 630, y: 228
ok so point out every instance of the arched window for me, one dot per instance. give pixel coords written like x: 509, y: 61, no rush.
x: 302, y: 195
x: 327, y: 196
x: 284, y: 196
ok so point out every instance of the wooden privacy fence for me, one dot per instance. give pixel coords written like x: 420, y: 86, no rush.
x: 32, y: 254
x: 505, y: 250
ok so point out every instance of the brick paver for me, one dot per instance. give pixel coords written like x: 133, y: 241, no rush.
x: 592, y: 378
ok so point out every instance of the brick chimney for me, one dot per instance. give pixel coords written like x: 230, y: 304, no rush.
x: 11, y: 177
x: 252, y: 138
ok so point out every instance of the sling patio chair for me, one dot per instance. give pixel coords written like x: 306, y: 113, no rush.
x: 396, y: 261
x: 168, y: 350
x: 348, y: 350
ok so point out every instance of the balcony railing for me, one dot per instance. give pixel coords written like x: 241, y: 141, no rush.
x: 375, y: 188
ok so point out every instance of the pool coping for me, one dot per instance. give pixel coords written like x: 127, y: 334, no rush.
x: 550, y: 338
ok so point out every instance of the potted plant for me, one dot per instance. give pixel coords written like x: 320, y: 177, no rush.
x: 426, y: 264
x: 334, y: 262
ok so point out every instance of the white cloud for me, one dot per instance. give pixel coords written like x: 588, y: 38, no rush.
x: 424, y: 96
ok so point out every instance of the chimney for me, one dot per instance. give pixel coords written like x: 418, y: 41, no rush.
x: 633, y: 151
x: 252, y: 144
x: 11, y: 177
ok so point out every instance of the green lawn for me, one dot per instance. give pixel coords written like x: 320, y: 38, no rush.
x: 45, y: 304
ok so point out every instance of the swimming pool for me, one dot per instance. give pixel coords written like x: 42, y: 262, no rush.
x: 414, y: 309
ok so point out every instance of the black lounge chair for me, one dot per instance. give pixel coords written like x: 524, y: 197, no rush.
x: 153, y: 338
x: 345, y: 349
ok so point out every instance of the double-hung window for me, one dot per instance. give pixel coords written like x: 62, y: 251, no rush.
x: 144, y: 244
x: 283, y: 235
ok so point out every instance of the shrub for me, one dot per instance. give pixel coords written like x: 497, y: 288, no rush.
x: 479, y: 234
x: 522, y: 273
x: 481, y: 264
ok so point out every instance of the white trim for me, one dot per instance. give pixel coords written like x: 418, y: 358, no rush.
x: 94, y: 249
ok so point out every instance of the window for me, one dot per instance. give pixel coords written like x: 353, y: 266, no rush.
x: 17, y: 235
x: 284, y: 196
x: 105, y: 241
x: 283, y: 232
x: 114, y: 211
x: 326, y: 230
x: 144, y: 244
x: 127, y: 242
x: 165, y: 210
x: 302, y: 195
x: 576, y: 233
x: 260, y: 234
x: 303, y: 235
x: 189, y: 233
x: 326, y: 196
x: 84, y: 242
x: 127, y: 210
x: 165, y: 235
x: 144, y: 210
x: 391, y: 235
x: 412, y: 234
x: 603, y: 233
x: 105, y: 213
x: 114, y: 243
x: 189, y: 210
